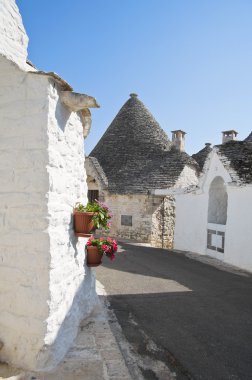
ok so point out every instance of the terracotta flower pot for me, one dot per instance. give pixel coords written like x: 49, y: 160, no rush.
x: 83, y: 224
x: 94, y: 258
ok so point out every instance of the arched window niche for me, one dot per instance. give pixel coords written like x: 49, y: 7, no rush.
x: 218, y: 201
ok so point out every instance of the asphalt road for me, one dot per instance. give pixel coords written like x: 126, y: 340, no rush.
x: 191, y: 316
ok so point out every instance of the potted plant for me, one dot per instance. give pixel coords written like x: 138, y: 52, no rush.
x: 96, y: 247
x: 87, y: 218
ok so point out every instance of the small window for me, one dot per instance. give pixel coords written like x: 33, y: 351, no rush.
x: 93, y: 195
x: 126, y: 220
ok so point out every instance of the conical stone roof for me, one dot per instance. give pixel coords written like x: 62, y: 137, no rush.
x: 135, y: 152
x: 249, y: 138
x: 202, y: 155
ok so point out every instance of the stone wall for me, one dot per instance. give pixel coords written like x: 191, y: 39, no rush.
x: 137, y: 206
x: 163, y: 223
x: 153, y: 219
x: 45, y: 288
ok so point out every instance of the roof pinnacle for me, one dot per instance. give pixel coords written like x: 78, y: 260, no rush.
x: 133, y: 95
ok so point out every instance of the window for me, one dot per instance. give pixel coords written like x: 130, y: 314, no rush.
x: 126, y: 220
x: 93, y: 195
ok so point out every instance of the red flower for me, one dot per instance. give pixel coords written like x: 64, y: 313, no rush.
x: 105, y: 247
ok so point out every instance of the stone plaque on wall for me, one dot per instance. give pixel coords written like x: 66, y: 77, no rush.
x: 126, y: 220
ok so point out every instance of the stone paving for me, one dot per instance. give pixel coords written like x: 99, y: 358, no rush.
x: 95, y: 354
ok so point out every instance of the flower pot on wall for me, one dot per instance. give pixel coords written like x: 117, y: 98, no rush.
x: 83, y: 223
x: 94, y: 257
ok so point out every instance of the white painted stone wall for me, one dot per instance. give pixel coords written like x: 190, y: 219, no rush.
x: 13, y: 38
x: 188, y: 177
x: 190, y: 223
x: 238, y: 245
x: 72, y: 284
x: 192, y: 218
x: 45, y: 288
x: 24, y: 241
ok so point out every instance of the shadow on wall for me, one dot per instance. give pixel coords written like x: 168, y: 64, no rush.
x: 62, y: 114
x: 83, y: 303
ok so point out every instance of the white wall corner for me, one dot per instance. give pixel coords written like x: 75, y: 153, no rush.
x: 213, y: 168
x: 188, y: 177
x: 13, y: 37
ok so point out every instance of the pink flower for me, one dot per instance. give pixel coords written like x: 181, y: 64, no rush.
x: 103, y: 205
x: 105, y: 247
x: 89, y: 242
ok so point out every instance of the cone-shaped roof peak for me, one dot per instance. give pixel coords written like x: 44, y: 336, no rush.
x: 249, y: 138
x: 133, y: 150
x: 133, y: 127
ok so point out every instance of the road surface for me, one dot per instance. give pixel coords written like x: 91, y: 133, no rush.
x: 181, y: 313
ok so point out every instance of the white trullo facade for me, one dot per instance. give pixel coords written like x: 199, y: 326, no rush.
x: 45, y: 286
x: 215, y: 217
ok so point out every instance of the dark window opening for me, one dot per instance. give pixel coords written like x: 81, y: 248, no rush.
x: 126, y: 220
x: 93, y: 195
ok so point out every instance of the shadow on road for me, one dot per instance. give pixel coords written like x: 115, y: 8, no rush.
x: 199, y: 317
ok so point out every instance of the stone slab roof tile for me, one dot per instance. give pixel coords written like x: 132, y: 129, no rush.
x: 135, y: 152
x: 201, y: 156
x: 249, y: 138
x: 236, y: 157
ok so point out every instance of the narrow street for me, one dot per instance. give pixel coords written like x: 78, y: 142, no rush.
x: 177, y: 312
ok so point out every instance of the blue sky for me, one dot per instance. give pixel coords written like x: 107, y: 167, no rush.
x: 189, y: 61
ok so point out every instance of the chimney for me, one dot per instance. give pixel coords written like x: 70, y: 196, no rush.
x: 178, y: 139
x: 229, y: 136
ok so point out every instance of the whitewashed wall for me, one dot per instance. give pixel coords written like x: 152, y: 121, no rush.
x: 24, y: 242
x: 190, y: 223
x: 13, y: 38
x: 192, y: 218
x: 192, y: 210
x: 45, y: 288
x: 238, y: 245
x: 72, y: 285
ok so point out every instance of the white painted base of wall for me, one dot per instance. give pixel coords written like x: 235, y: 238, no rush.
x: 215, y: 254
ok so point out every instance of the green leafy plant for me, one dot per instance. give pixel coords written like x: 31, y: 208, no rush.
x: 102, y: 214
